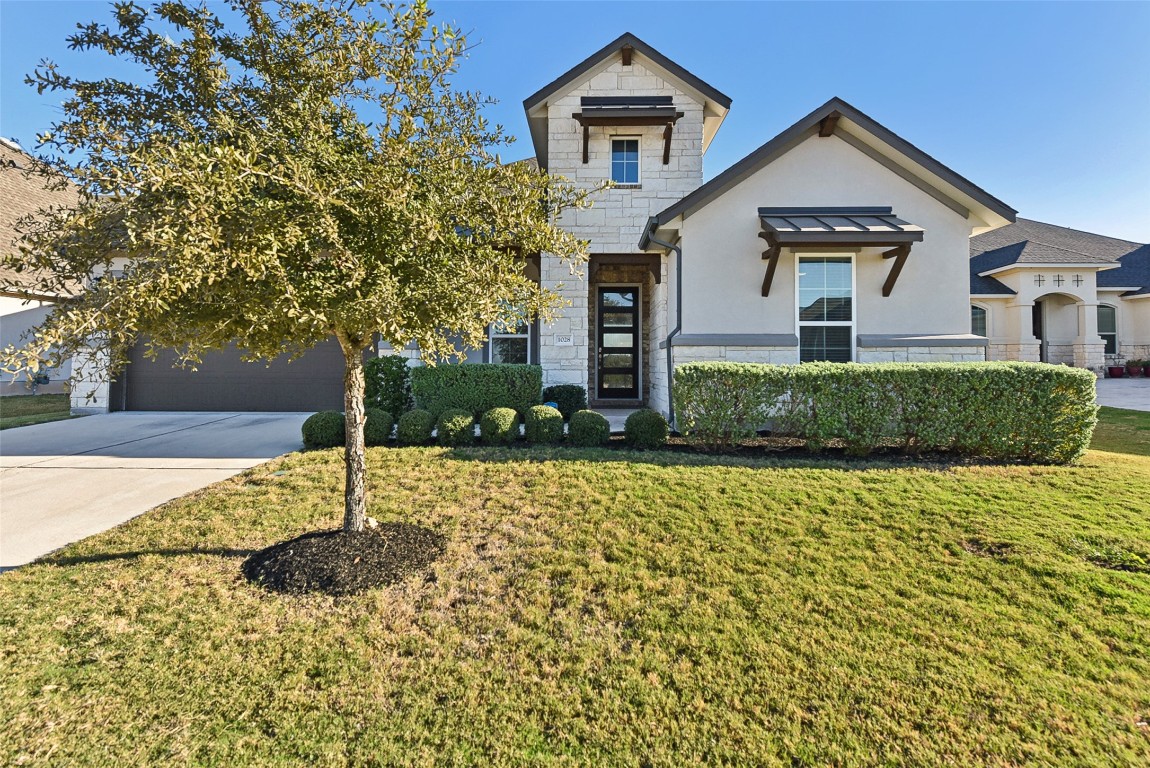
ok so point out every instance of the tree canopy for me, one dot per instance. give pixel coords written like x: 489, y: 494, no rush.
x: 309, y: 172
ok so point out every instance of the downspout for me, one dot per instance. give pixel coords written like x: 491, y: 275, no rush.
x: 678, y: 316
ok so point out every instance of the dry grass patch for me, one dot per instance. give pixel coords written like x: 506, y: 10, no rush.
x: 602, y: 608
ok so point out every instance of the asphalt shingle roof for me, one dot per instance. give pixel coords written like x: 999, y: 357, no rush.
x: 21, y: 195
x: 1033, y: 242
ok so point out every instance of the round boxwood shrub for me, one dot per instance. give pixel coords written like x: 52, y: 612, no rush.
x: 377, y: 428
x: 543, y: 424
x: 568, y: 397
x: 455, y: 427
x: 415, y: 427
x: 323, y: 430
x: 646, y: 429
x: 588, y: 429
x: 499, y: 426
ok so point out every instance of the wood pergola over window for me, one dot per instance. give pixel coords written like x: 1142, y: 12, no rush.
x: 626, y: 111
x: 828, y: 228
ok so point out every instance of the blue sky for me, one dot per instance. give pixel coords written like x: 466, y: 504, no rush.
x: 1045, y: 105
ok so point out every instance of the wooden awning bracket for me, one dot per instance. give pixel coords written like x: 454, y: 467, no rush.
x: 771, y: 256
x: 899, y: 255
x: 666, y: 117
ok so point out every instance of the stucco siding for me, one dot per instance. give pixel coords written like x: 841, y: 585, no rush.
x: 723, y: 269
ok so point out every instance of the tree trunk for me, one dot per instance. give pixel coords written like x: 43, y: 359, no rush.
x: 355, y: 461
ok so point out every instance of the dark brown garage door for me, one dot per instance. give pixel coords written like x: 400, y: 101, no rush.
x: 224, y: 382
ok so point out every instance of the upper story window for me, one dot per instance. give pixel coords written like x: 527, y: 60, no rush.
x: 625, y: 161
x: 1108, y: 328
x: 826, y: 308
x: 977, y: 320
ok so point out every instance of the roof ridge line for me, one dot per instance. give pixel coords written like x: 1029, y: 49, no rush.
x: 1083, y: 232
x: 1059, y: 247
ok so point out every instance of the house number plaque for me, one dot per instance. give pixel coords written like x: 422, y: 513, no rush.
x: 564, y: 340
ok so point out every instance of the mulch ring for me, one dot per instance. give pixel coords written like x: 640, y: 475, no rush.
x: 345, y: 563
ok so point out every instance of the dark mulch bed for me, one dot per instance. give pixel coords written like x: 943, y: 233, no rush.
x: 344, y: 563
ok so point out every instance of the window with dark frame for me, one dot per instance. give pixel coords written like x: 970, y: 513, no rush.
x: 826, y: 308
x: 1108, y: 328
x: 977, y: 320
x: 625, y: 161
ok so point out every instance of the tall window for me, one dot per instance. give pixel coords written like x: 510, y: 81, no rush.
x: 977, y: 320
x: 625, y: 161
x: 511, y: 343
x: 826, y: 308
x: 1108, y: 328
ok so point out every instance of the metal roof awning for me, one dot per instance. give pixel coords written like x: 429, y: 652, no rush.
x: 628, y: 110
x: 859, y: 227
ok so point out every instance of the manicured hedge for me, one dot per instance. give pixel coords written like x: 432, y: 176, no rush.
x: 414, y: 428
x: 476, y: 387
x: 588, y: 429
x: 387, y: 384
x: 325, y: 429
x: 499, y: 426
x: 455, y: 427
x: 1008, y: 411
x: 645, y: 429
x: 569, y: 398
x: 377, y: 426
x: 543, y: 424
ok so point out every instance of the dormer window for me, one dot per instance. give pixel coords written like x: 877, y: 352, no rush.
x: 625, y: 161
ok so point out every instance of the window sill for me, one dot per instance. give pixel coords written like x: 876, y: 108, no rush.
x: 627, y: 186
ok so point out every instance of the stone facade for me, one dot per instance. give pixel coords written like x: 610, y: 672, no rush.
x: 945, y: 354
x: 614, y: 222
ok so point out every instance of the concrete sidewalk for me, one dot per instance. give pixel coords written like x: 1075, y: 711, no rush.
x: 1131, y: 394
x: 66, y: 480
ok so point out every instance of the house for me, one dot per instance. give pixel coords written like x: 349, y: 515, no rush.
x: 23, y: 306
x: 1046, y: 293
x: 835, y: 240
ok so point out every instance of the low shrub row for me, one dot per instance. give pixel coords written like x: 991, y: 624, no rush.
x: 1006, y: 411
x: 644, y: 430
x: 327, y: 429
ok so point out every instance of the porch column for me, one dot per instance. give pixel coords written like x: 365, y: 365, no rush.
x: 1026, y: 348
x: 1089, y: 349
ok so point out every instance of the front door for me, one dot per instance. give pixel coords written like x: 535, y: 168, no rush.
x: 618, y: 343
x: 1037, y: 319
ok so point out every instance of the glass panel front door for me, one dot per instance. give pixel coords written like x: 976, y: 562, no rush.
x: 618, y: 343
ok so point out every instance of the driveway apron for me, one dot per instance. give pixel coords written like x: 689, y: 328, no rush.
x: 66, y: 480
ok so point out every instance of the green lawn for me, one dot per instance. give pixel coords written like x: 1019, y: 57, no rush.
x: 22, y: 410
x: 607, y: 608
x: 1122, y: 431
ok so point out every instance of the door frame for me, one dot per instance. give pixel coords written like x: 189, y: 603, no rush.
x: 639, y: 356
x: 1039, y: 313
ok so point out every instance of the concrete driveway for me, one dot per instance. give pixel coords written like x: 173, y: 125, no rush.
x: 66, y: 480
x: 1131, y: 394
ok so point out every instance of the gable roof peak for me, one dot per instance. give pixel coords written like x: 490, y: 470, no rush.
x: 627, y: 39
x: 826, y: 120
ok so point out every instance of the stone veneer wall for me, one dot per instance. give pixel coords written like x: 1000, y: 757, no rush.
x: 1129, y: 352
x: 1026, y: 353
x: 943, y: 354
x: 615, y: 221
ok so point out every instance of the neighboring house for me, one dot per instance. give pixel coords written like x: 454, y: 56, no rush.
x: 22, y: 305
x: 835, y: 240
x: 1047, y: 293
